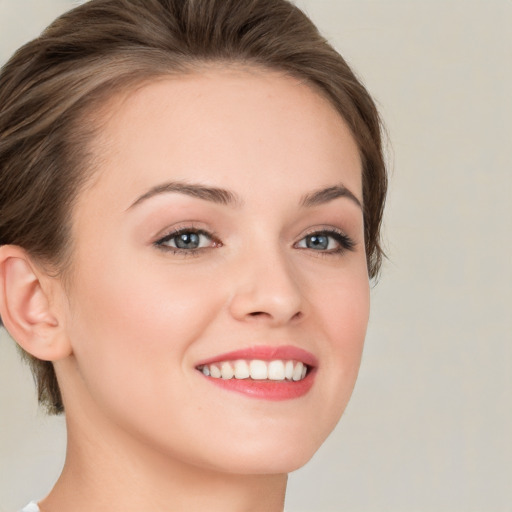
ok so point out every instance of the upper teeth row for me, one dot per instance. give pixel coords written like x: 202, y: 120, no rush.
x: 256, y: 369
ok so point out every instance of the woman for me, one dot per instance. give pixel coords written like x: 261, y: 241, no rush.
x: 191, y: 194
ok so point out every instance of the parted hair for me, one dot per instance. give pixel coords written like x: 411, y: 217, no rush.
x: 52, y: 90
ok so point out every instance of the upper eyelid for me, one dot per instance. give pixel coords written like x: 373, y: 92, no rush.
x: 179, y: 231
x: 326, y: 230
x: 176, y: 229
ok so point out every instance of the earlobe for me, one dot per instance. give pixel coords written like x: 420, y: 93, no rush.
x: 25, y: 306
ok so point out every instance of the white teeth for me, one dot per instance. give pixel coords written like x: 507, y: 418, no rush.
x: 241, y: 369
x: 226, y: 371
x: 276, y: 370
x: 256, y: 369
x: 215, y: 372
x: 288, y: 370
x: 297, y: 371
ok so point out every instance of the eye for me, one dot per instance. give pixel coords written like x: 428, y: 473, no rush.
x: 327, y: 241
x: 186, y: 240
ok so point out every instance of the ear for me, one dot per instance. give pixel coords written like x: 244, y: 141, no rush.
x: 27, y: 305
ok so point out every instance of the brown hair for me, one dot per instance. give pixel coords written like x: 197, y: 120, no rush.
x: 52, y: 84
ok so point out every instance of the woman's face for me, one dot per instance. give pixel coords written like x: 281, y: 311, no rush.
x: 223, y: 234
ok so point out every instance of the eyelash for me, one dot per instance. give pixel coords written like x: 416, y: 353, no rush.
x: 345, y: 243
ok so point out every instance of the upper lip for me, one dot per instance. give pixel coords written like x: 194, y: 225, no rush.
x: 265, y: 353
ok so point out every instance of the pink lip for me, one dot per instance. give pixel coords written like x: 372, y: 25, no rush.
x: 267, y: 390
x: 266, y: 353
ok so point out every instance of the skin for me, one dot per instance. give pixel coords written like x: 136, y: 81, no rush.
x: 146, y: 429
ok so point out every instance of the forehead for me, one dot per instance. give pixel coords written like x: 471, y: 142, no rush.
x: 224, y: 125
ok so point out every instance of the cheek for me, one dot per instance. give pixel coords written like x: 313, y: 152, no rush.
x: 133, y: 324
x: 341, y: 302
x: 349, y: 311
x: 343, y: 317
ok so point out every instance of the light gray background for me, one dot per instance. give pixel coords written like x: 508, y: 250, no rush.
x: 429, y: 426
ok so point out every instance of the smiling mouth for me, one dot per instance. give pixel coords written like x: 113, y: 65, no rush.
x: 262, y: 372
x: 257, y: 370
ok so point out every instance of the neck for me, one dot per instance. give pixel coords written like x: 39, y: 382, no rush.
x: 114, y: 471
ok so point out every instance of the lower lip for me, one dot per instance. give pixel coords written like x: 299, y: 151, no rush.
x: 267, y: 389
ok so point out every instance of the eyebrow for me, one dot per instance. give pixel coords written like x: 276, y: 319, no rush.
x: 328, y: 194
x: 228, y: 198
x: 212, y: 194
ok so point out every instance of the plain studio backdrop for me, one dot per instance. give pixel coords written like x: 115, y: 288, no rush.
x: 429, y: 427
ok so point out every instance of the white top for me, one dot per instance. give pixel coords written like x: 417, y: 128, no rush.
x: 31, y: 507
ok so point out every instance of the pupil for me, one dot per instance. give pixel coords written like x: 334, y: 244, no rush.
x: 187, y: 241
x: 317, y: 242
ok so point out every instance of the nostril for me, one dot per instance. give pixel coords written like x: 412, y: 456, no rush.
x: 260, y: 314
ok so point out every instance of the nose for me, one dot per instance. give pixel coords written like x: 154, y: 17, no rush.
x: 267, y: 290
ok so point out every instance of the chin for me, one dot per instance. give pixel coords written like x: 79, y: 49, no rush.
x: 263, y: 463
x: 275, y: 452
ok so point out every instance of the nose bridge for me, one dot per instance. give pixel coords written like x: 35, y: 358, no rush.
x: 266, y: 286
